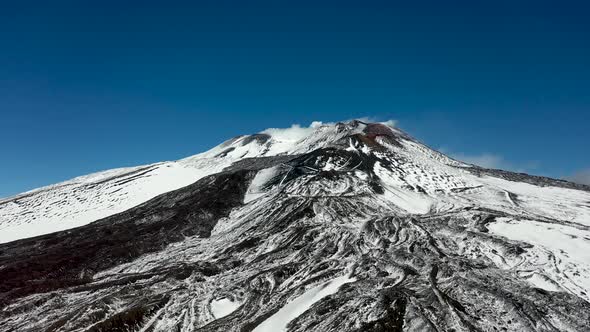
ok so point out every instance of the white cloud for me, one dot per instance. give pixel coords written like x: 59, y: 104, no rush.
x: 292, y: 134
x: 390, y: 122
x: 316, y: 124
x: 367, y: 119
x: 296, y: 132
x: 582, y: 176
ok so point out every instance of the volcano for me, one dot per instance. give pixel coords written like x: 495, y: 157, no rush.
x: 351, y: 226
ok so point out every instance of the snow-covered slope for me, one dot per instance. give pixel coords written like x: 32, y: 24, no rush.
x: 88, y: 198
x: 84, y: 199
x: 341, y: 227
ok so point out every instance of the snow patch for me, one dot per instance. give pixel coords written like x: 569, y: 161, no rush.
x: 543, y: 282
x: 563, y: 204
x: 562, y: 252
x: 558, y: 238
x: 223, y: 307
x: 407, y: 200
x: 279, y: 321
x: 255, y: 190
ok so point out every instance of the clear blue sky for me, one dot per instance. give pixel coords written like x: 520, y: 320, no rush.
x: 87, y: 86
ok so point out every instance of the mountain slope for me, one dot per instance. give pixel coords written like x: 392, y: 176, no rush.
x: 85, y: 199
x: 345, y: 227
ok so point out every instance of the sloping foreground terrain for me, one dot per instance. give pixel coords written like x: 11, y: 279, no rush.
x: 344, y: 227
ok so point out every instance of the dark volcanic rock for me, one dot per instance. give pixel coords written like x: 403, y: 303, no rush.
x: 70, y: 258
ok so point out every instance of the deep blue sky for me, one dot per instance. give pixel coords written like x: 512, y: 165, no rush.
x: 87, y: 86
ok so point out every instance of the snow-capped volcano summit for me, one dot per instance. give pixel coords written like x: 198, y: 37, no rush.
x: 351, y: 226
x: 85, y: 199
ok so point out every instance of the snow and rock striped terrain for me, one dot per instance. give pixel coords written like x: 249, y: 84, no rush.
x: 341, y: 227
